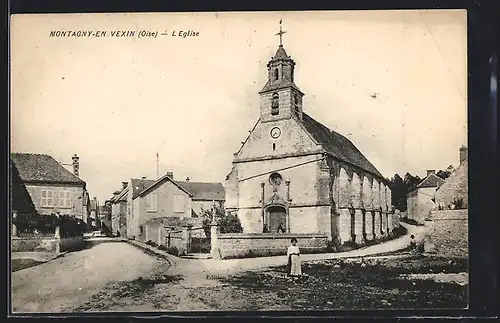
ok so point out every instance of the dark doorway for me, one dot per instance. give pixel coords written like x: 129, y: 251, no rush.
x: 276, y: 216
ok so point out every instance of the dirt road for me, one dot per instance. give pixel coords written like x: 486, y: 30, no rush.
x: 65, y: 283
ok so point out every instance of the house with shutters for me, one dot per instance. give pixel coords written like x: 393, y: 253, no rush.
x: 52, y: 187
x: 143, y: 206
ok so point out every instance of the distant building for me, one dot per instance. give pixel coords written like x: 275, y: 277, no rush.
x: 419, y: 198
x: 51, y: 186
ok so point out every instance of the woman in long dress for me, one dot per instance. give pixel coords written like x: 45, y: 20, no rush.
x: 294, y: 263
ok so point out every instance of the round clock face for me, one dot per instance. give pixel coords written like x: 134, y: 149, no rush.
x: 275, y: 132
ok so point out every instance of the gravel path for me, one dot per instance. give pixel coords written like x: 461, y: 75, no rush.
x: 65, y: 283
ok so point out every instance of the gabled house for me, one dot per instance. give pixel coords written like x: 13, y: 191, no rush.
x: 53, y: 188
x: 162, y: 199
x: 419, y: 199
x: 142, y: 206
x: 203, y: 195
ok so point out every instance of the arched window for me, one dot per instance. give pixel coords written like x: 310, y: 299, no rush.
x: 275, y: 106
x: 276, y: 74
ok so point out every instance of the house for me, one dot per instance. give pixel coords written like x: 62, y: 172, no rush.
x: 119, y: 211
x: 419, y: 199
x: 94, y: 213
x: 294, y: 172
x: 105, y: 216
x: 203, y: 195
x: 142, y: 206
x: 51, y: 186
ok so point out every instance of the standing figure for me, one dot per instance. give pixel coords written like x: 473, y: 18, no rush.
x: 294, y: 263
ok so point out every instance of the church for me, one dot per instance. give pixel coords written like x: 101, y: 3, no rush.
x: 294, y: 175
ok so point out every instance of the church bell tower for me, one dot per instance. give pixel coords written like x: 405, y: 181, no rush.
x: 280, y: 98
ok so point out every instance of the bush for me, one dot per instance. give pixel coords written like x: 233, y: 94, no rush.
x: 162, y: 247
x: 151, y: 243
x: 458, y: 203
x: 399, y: 231
x: 71, y: 226
x: 173, y: 251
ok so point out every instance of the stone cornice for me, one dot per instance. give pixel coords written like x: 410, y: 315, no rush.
x: 290, y: 155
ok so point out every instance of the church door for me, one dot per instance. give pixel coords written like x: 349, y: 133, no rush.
x: 276, y: 216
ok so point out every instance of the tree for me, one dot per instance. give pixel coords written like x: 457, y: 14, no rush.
x: 444, y: 174
x: 228, y: 223
x: 400, y: 187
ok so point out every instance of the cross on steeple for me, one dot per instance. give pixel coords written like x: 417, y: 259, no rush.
x: 281, y: 32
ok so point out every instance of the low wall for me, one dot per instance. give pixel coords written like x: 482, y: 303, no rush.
x: 46, y: 243
x: 447, y: 233
x: 242, y: 245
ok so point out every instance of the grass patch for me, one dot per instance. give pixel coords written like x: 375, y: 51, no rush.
x: 360, y: 284
x: 18, y: 264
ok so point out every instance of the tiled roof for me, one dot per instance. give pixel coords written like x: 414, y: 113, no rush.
x: 43, y: 168
x: 204, y: 191
x: 139, y: 185
x: 431, y: 181
x: 161, y: 180
x: 337, y: 145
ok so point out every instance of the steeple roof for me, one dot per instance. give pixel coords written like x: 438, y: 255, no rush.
x: 281, y: 54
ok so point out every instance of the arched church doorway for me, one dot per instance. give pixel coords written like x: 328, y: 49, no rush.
x: 276, y: 218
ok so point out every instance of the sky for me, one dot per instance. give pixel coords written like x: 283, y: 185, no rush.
x: 393, y: 82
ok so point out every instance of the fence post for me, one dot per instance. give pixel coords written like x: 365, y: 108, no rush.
x: 214, y: 241
x: 186, y: 233
x: 14, y: 227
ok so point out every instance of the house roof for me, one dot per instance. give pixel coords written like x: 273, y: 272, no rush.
x: 204, y: 191
x: 139, y: 185
x: 44, y: 169
x: 154, y: 184
x: 432, y: 180
x: 337, y: 145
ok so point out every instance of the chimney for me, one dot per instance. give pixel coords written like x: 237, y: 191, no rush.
x: 116, y: 193
x: 124, y: 185
x: 430, y: 171
x: 76, y: 165
x: 187, y: 179
x: 464, y: 151
x: 170, y: 174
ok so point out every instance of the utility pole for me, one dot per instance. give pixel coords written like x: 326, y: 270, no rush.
x: 157, y: 165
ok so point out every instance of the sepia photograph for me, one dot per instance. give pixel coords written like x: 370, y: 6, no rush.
x: 238, y: 161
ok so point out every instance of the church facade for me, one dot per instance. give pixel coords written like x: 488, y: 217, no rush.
x: 292, y: 174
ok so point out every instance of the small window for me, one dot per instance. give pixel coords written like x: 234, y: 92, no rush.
x: 276, y: 74
x: 47, y: 198
x: 275, y: 105
x: 274, y: 146
x: 152, y: 202
x: 67, y: 197
x: 179, y: 203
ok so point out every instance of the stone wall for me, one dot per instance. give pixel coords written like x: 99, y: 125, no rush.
x: 455, y: 187
x: 241, y: 245
x: 447, y: 233
x: 46, y: 243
